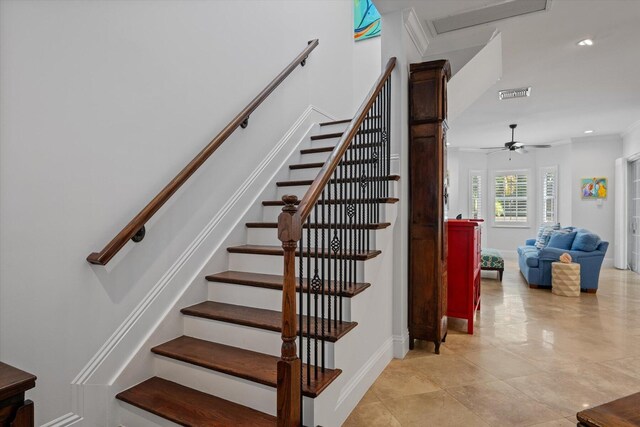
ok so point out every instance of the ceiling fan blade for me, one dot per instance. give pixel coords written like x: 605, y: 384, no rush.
x: 521, y: 150
x: 539, y: 146
x: 496, y: 150
x: 492, y: 148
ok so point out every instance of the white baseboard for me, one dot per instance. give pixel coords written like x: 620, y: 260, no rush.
x: 353, y: 392
x: 65, y: 420
x: 400, y: 345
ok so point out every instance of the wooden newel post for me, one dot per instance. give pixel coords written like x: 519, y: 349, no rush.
x: 289, y: 233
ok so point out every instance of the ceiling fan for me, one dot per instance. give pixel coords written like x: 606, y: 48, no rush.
x: 514, y: 145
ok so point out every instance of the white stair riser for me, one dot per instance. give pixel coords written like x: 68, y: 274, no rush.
x: 268, y: 236
x: 270, y: 299
x: 300, y: 190
x: 315, y: 157
x: 238, y: 390
x: 340, y: 127
x: 311, y: 173
x: 248, y: 338
x: 130, y: 416
x: 323, y: 155
x: 271, y: 264
x: 270, y: 213
x: 307, y: 173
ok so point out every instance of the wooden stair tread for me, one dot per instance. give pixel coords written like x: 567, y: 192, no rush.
x: 335, y: 122
x: 371, y: 226
x: 274, y: 281
x: 261, y: 318
x: 320, y: 164
x: 302, y: 182
x: 277, y: 250
x: 338, y: 122
x: 378, y: 200
x: 238, y: 362
x: 189, y: 407
x: 339, y: 134
x: 329, y: 149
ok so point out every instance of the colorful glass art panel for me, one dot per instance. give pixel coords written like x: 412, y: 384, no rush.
x: 366, y: 20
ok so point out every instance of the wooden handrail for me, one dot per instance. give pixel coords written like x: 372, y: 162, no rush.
x: 136, y: 225
x: 315, y: 190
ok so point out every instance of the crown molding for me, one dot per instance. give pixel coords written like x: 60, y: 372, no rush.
x: 415, y: 30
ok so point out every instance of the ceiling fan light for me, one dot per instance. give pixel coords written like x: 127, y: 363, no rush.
x: 585, y: 42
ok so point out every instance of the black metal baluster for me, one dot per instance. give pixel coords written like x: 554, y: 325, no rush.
x: 330, y: 254
x: 388, y: 132
x: 315, y: 287
x: 300, y: 305
x: 383, y: 131
x: 376, y: 156
x: 342, y: 232
x: 308, y: 329
x: 323, y: 277
x: 353, y: 244
x: 370, y: 187
x: 363, y: 190
x: 337, y: 248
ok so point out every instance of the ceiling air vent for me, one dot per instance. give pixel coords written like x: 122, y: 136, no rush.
x: 484, y: 15
x: 522, y: 92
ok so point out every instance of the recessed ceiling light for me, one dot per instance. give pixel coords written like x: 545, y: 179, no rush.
x: 588, y: 131
x: 585, y: 42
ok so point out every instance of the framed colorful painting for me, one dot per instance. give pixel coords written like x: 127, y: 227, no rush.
x: 594, y: 188
x: 366, y: 20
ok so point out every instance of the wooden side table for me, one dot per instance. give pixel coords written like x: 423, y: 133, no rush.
x: 623, y: 412
x: 565, y: 279
x: 15, y: 411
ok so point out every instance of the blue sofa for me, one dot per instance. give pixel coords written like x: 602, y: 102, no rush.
x: 535, y: 265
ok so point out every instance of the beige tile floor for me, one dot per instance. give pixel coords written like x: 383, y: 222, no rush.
x: 535, y: 360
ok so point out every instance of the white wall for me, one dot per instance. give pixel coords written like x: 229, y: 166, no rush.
x: 366, y: 67
x: 102, y: 104
x: 576, y: 159
x: 595, y: 157
x: 631, y: 140
x: 396, y: 42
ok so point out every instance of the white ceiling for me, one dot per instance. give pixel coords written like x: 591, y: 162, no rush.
x: 574, y: 88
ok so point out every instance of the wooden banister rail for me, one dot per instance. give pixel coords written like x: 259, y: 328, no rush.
x: 290, y: 224
x: 135, y: 228
x: 313, y: 193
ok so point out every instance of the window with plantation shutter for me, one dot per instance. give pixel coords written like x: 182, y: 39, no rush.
x: 475, y: 191
x: 510, y: 198
x: 549, y: 201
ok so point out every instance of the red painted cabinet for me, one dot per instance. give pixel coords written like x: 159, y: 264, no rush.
x: 463, y: 259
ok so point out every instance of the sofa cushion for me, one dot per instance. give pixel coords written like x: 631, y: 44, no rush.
x: 586, y: 242
x: 562, y: 239
x: 531, y: 258
x: 525, y: 249
x: 543, y: 237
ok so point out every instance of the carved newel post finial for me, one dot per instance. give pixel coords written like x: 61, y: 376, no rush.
x: 288, y: 400
x: 289, y: 229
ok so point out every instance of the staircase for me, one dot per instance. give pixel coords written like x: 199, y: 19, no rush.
x: 223, y: 370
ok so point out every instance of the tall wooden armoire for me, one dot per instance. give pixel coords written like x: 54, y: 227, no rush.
x: 427, y: 194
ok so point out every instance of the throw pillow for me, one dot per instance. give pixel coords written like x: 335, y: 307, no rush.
x: 586, y: 242
x: 542, y: 241
x: 562, y: 239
